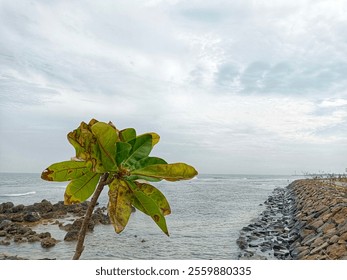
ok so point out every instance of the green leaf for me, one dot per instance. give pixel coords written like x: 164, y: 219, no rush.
x: 156, y: 196
x: 65, y: 171
x: 123, y: 150
x: 119, y: 206
x: 141, y: 177
x: 141, y: 149
x: 149, y: 207
x: 81, y: 189
x: 147, y: 161
x: 169, y: 172
x: 155, y: 137
x: 128, y: 134
x: 107, y: 137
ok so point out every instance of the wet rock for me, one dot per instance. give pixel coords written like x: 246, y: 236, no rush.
x: 31, y: 217
x: 99, y: 217
x: 6, y: 207
x: 48, y: 242
x: 44, y: 235
x: 19, y: 239
x: 241, y: 242
x: 18, y: 208
x: 4, y: 243
x: 71, y: 235
x: 33, y: 238
x: 42, y: 207
x: 17, y: 217
x: 7, y: 257
x: 4, y: 224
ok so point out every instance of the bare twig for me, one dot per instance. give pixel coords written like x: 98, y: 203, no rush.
x: 82, y: 234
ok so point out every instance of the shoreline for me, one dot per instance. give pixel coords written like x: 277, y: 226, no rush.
x: 19, y: 224
x: 307, y: 220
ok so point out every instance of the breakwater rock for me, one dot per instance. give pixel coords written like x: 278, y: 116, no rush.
x: 306, y: 220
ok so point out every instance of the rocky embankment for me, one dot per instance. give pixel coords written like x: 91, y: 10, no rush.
x: 306, y: 221
x: 17, y: 223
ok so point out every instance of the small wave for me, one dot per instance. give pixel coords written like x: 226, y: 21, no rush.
x: 16, y: 194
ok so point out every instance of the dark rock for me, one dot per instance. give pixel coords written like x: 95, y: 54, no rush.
x: 4, y: 243
x: 4, y: 224
x: 7, y: 257
x: 241, y: 242
x: 278, y: 247
x: 33, y: 238
x: 44, y: 235
x: 31, y: 217
x: 48, y: 242
x: 19, y: 239
x: 18, y: 217
x: 71, y: 235
x: 5, y: 207
x: 18, y: 208
x: 43, y: 207
x: 49, y: 215
x: 77, y: 224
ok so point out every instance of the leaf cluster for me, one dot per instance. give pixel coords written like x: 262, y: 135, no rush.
x: 124, y: 156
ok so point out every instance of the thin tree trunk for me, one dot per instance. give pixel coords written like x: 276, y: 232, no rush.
x: 87, y: 217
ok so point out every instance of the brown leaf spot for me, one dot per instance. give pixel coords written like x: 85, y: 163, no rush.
x: 165, y: 211
x: 156, y: 218
x: 68, y: 200
x: 45, y: 175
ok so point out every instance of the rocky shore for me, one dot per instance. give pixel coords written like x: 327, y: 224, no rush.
x: 305, y: 221
x: 17, y: 222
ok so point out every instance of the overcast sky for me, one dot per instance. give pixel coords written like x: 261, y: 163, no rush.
x: 231, y: 86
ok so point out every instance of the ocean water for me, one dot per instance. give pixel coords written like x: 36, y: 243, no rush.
x: 207, y: 215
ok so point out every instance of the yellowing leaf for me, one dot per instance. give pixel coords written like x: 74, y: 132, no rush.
x: 86, y: 146
x: 107, y: 137
x: 155, y: 137
x: 65, y: 171
x: 149, y: 206
x: 81, y: 189
x: 156, y: 196
x: 169, y: 172
x: 119, y: 205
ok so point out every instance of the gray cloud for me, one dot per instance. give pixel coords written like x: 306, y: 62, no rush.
x: 227, y: 84
x: 283, y: 78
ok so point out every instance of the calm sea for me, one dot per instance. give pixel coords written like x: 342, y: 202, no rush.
x: 207, y: 214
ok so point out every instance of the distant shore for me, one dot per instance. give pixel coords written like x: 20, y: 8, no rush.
x: 305, y: 221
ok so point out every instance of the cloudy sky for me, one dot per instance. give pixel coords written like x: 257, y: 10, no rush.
x: 238, y: 86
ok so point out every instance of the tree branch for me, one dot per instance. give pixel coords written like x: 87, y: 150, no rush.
x: 82, y: 234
